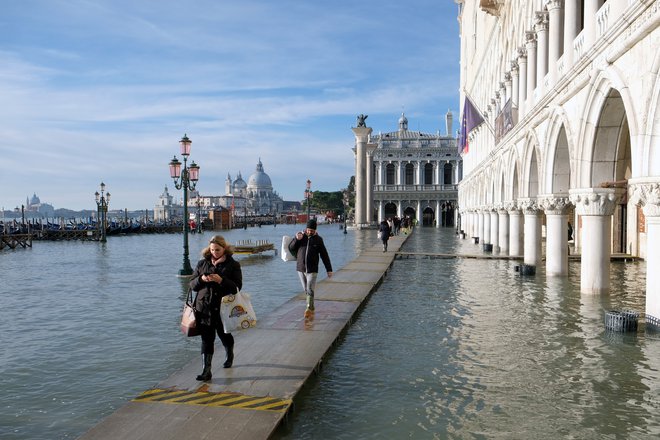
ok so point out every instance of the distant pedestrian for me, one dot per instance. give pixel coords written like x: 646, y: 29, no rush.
x: 384, y: 230
x: 217, y: 274
x: 308, y: 247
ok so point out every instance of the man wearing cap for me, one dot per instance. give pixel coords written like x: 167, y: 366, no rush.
x: 307, y: 247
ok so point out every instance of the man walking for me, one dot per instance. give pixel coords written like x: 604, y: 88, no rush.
x: 308, y: 247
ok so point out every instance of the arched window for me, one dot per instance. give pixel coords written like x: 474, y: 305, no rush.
x: 410, y: 174
x: 389, y: 177
x: 447, y: 174
x: 428, y: 174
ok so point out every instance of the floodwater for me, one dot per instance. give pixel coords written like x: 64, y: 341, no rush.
x: 445, y: 348
x: 467, y: 349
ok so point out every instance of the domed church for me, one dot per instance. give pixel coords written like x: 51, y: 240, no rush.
x: 258, y: 192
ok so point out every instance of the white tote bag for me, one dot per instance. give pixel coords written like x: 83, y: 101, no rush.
x: 286, y: 253
x: 237, y: 313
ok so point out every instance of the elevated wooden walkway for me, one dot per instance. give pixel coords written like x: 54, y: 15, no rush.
x: 273, y: 362
x: 12, y: 241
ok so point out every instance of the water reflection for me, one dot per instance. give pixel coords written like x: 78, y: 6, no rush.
x: 465, y: 348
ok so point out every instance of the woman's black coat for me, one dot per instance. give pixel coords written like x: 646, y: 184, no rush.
x: 209, y: 294
x: 307, y: 251
x: 385, y: 231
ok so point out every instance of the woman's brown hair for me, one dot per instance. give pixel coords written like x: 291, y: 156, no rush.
x: 220, y: 241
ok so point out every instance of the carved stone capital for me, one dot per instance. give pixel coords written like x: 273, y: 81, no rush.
x: 554, y: 205
x: 507, y: 78
x: 594, y: 201
x: 540, y: 21
x: 512, y: 207
x: 530, y: 39
x: 553, y: 4
x: 361, y: 134
x: 514, y: 67
x: 522, y: 54
x: 645, y: 192
x: 529, y: 205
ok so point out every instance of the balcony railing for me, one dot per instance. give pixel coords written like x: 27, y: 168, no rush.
x: 411, y: 188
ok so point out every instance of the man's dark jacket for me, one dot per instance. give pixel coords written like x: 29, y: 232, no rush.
x: 307, y: 251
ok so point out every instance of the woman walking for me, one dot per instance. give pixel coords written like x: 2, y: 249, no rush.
x: 384, y: 231
x: 217, y: 274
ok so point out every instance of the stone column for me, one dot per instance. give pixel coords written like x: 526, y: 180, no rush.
x: 381, y: 210
x: 555, y: 35
x: 361, y: 138
x: 556, y: 242
x: 508, y: 87
x: 438, y: 214
x: 419, y: 178
x: 419, y: 212
x: 399, y: 173
x: 503, y: 239
x: 480, y: 230
x: 486, y: 235
x: 522, y: 85
x: 515, y: 86
x: 370, y: 148
x: 530, y: 45
x: 646, y: 191
x: 494, y: 229
x: 591, y: 8
x: 570, y: 31
x: 595, y: 206
x: 515, y: 229
x: 532, y: 244
x: 541, y: 28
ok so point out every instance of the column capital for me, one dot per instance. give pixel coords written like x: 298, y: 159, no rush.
x: 530, y: 39
x: 594, y: 201
x: 553, y: 4
x: 507, y: 78
x: 522, y: 54
x: 512, y: 207
x: 646, y: 192
x: 540, y: 21
x: 362, y: 133
x: 529, y: 205
x: 514, y: 67
x: 554, y: 204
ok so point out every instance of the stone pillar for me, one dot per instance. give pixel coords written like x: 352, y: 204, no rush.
x: 515, y: 86
x: 541, y: 28
x: 494, y: 231
x: 555, y: 35
x: 530, y: 45
x: 591, y: 8
x: 532, y: 244
x: 419, y: 212
x: 556, y: 241
x: 503, y: 239
x: 570, y: 31
x: 508, y: 87
x: 370, y: 148
x: 420, y: 173
x: 361, y: 138
x: 486, y: 235
x: 381, y: 210
x: 595, y: 206
x: 646, y: 191
x: 515, y: 230
x: 438, y: 214
x: 480, y: 230
x: 522, y: 85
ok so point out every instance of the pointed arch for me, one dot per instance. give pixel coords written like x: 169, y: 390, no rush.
x: 530, y: 168
x: 557, y: 164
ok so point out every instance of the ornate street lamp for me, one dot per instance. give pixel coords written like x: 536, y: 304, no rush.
x: 189, y: 176
x: 102, y: 201
x: 308, y: 195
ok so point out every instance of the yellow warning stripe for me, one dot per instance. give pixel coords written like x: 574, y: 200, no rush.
x: 230, y: 400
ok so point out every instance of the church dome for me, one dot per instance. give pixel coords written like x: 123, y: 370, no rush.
x: 260, y: 180
x: 403, y: 122
x: 239, y: 183
x: 35, y: 200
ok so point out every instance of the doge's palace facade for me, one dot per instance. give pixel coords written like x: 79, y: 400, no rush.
x: 570, y: 94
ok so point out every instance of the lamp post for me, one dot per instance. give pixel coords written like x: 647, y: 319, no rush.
x: 102, y: 201
x: 345, y: 209
x: 189, y: 176
x: 308, y: 195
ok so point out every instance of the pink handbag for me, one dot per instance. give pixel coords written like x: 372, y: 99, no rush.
x: 188, y: 320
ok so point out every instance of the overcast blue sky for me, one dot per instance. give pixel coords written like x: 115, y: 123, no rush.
x: 103, y: 90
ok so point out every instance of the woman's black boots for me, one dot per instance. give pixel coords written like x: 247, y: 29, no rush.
x: 206, y: 373
x: 230, y: 356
